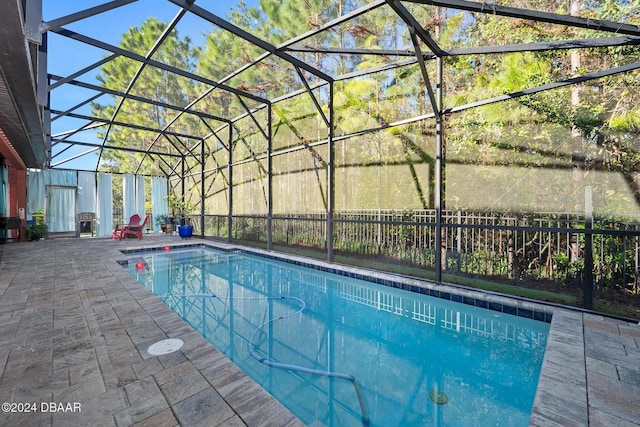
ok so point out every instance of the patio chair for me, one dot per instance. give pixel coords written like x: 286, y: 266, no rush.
x: 133, y: 228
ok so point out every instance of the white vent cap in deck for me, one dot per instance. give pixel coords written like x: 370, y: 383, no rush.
x: 165, y: 347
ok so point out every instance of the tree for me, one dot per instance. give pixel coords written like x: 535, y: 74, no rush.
x: 600, y: 112
x: 153, y: 83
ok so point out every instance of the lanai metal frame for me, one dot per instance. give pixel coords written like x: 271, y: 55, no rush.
x: 424, y: 48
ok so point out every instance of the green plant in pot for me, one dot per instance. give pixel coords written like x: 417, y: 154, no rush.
x: 185, y: 231
x: 34, y: 232
x: 180, y: 209
x: 162, y: 220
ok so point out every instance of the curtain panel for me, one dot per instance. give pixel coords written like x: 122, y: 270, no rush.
x: 60, y: 212
x: 128, y: 197
x: 139, y: 196
x: 86, y: 191
x: 35, y: 192
x: 159, y: 203
x: 104, y: 215
x: 4, y: 186
x: 63, y: 178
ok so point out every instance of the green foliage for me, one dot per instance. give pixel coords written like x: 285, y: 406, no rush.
x: 39, y: 216
x: 152, y: 82
x: 180, y: 207
x: 626, y: 121
x: 36, y: 231
x: 521, y: 70
x: 161, y: 219
x: 567, y: 270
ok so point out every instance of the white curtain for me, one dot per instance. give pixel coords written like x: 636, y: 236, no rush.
x: 66, y: 178
x: 159, y: 204
x: 105, y: 205
x: 35, y: 189
x: 86, y: 191
x: 140, y: 208
x: 128, y: 197
x: 61, y: 207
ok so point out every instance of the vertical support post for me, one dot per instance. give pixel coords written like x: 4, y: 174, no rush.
x: 439, y: 170
x: 33, y: 19
x: 42, y: 79
x: 230, y: 181
x: 46, y: 127
x: 182, y: 199
x: 269, y: 181
x: 331, y: 197
x: 182, y: 177
x: 588, y: 248
x: 202, y: 209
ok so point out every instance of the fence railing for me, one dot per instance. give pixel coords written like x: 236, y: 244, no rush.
x: 533, y: 248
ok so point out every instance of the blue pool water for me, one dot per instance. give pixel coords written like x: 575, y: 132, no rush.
x: 338, y: 351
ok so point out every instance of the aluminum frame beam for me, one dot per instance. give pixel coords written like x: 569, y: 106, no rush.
x: 523, y: 47
x: 33, y: 20
x: 351, y: 51
x: 253, y: 118
x: 411, y: 22
x: 535, y: 15
x: 313, y: 97
x: 165, y: 34
x: 283, y: 47
x: 136, y: 57
x: 62, y: 80
x: 542, y: 88
x: 114, y: 147
x: 77, y: 156
x: 130, y: 125
x: 75, y: 107
x: 425, y: 75
x: 226, y: 25
x: 107, y: 91
x: 68, y: 19
x: 331, y: 175
x: 550, y: 45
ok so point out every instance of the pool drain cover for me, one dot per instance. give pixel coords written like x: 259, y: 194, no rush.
x: 165, y: 347
x: 439, y: 397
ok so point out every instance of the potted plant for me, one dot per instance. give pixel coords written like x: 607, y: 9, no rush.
x: 34, y: 232
x: 180, y: 209
x: 185, y: 231
x: 162, y: 221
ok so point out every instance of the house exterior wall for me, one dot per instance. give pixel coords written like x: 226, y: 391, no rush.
x: 17, y: 188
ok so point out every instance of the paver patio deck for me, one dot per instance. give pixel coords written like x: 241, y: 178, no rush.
x: 75, y: 327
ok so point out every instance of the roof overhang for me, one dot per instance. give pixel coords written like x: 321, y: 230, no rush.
x: 20, y: 113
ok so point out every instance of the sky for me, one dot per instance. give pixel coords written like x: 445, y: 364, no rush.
x: 108, y: 27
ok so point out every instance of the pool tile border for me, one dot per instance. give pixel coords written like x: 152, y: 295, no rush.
x: 467, y: 296
x: 444, y: 291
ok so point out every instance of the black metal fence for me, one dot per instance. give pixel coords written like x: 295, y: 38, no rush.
x: 544, y: 248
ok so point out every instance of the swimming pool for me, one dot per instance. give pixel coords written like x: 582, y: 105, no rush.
x: 340, y: 351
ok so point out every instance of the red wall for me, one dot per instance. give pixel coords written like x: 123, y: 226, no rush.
x: 17, y: 178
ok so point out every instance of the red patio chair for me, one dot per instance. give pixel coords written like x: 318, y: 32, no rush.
x: 131, y: 227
